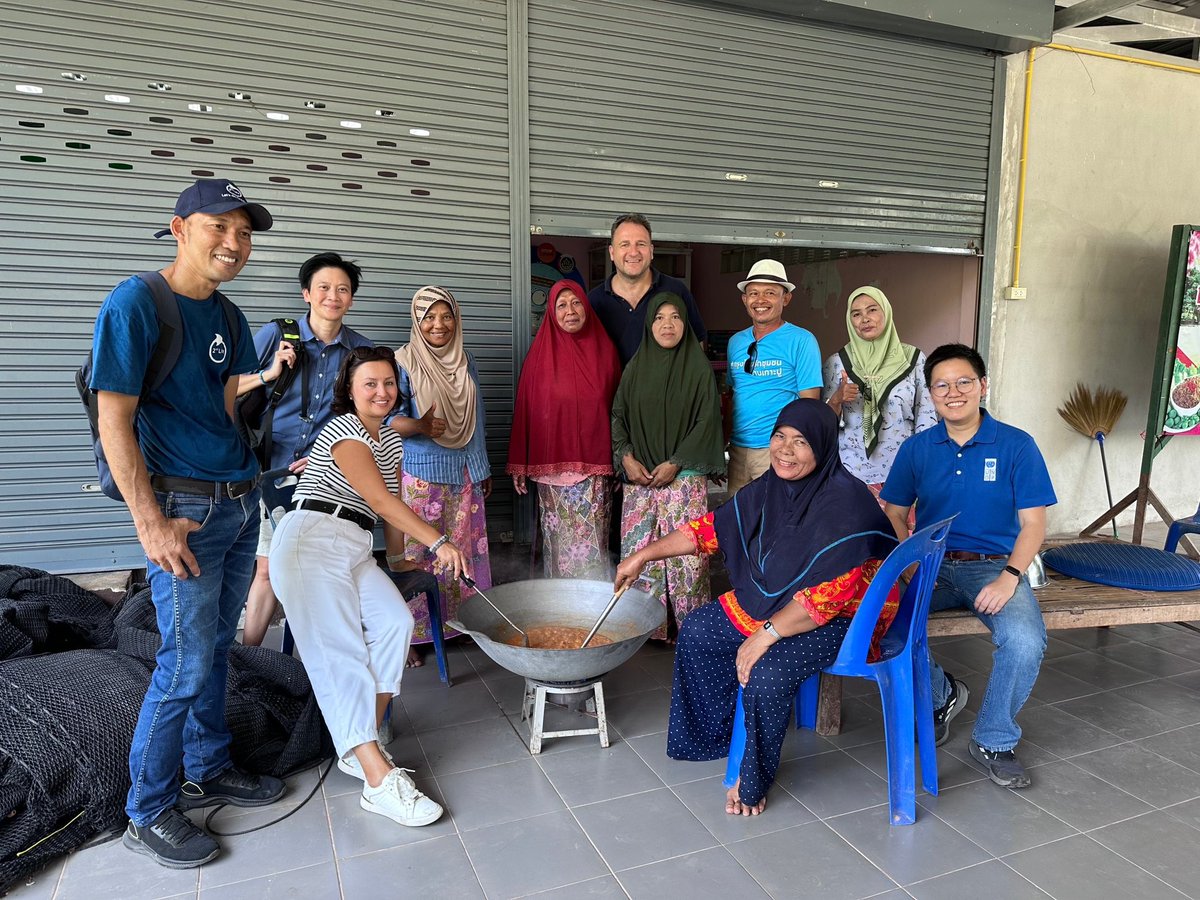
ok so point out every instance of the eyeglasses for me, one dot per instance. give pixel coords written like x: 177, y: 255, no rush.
x: 962, y: 385
x: 373, y: 354
x: 751, y: 358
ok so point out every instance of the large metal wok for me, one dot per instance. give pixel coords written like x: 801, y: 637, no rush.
x: 564, y: 602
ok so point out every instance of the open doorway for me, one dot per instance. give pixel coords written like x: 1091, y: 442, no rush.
x: 935, y: 297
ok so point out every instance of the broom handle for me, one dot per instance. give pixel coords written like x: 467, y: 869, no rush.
x: 1107, y: 486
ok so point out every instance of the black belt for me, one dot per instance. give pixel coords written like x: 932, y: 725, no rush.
x: 342, y: 512
x: 968, y: 556
x: 169, y: 484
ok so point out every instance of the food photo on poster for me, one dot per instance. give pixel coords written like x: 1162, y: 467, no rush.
x: 1183, y: 398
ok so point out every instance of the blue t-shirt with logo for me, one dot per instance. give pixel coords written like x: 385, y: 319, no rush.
x: 985, y: 481
x: 183, y: 428
x: 786, y: 362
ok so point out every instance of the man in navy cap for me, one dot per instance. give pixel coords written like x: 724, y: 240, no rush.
x: 190, y: 484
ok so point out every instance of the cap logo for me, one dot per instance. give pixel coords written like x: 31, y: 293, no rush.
x: 232, y: 190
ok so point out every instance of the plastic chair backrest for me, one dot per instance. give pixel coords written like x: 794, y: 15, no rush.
x: 277, y: 487
x: 926, y: 548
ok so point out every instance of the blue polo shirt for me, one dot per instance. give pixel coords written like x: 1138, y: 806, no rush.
x: 292, y: 435
x: 625, y: 324
x: 999, y: 471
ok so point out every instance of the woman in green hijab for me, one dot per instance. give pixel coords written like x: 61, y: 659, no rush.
x: 666, y: 432
x: 877, y: 387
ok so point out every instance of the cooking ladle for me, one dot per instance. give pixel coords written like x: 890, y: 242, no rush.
x: 470, y: 582
x: 603, y: 616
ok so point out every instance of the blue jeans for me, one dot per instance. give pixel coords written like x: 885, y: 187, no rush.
x: 183, y: 714
x: 1020, y: 638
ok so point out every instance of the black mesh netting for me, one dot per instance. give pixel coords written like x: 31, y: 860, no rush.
x: 67, y: 715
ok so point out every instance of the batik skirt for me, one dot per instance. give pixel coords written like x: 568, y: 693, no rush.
x: 574, y: 522
x: 648, y: 514
x: 455, y: 510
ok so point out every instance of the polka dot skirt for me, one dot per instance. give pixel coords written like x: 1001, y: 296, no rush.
x: 705, y: 692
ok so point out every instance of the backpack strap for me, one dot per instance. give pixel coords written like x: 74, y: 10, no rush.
x: 289, y: 330
x: 170, y: 332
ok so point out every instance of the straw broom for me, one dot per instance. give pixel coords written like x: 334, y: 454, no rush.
x: 1095, y: 417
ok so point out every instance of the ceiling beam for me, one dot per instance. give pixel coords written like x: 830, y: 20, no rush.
x: 1183, y: 26
x: 1086, y: 11
x: 1122, y: 34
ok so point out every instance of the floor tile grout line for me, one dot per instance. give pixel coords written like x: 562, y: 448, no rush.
x: 984, y: 862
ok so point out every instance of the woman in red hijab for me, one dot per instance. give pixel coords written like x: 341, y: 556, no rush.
x: 561, y: 434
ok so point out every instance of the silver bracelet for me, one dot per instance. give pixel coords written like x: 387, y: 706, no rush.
x: 437, y: 545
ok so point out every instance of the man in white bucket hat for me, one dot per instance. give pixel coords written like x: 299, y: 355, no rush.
x: 771, y: 363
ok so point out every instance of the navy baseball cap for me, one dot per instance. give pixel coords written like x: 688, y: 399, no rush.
x: 215, y: 196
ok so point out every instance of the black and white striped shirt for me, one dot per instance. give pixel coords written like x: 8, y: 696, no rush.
x: 323, y: 480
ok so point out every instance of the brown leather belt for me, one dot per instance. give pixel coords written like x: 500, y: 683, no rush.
x: 968, y: 556
x: 169, y: 484
x: 342, y: 512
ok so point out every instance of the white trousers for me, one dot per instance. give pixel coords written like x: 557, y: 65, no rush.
x: 350, y: 623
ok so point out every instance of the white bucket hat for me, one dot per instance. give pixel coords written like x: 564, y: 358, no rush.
x: 767, y: 270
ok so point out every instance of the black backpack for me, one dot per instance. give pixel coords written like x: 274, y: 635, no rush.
x: 162, y: 361
x: 254, y: 412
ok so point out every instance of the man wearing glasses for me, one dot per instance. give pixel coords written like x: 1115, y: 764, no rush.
x: 771, y: 363
x: 992, y: 476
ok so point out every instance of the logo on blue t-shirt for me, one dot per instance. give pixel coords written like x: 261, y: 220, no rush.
x: 217, y: 351
x: 989, y: 469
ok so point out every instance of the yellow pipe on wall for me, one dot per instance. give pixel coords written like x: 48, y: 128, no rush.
x: 1016, y: 280
x: 1067, y: 48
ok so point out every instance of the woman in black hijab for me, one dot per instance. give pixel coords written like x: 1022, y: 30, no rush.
x: 801, y: 544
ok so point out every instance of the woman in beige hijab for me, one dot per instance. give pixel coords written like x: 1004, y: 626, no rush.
x: 446, y: 474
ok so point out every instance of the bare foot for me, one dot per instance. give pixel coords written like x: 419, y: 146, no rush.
x: 414, y: 659
x: 735, y: 807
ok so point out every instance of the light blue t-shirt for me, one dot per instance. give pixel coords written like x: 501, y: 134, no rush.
x: 183, y: 428
x: 786, y: 362
x: 985, y: 481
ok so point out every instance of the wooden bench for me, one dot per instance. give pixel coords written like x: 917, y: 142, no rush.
x: 1066, y: 603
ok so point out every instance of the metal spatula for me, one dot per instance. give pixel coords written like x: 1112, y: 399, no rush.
x: 470, y: 582
x: 603, y: 616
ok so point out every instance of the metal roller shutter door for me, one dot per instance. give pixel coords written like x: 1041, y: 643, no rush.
x: 742, y: 127
x: 85, y: 180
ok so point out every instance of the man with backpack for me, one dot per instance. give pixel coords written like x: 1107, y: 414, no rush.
x: 298, y: 363
x: 164, y: 394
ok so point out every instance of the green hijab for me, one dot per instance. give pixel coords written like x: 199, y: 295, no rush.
x: 666, y: 407
x: 876, y: 366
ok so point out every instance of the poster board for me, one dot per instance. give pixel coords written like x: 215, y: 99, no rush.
x: 1181, y: 405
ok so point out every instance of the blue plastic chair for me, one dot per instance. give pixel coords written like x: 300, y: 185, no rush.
x: 1179, y: 528
x: 277, y: 488
x: 902, y: 673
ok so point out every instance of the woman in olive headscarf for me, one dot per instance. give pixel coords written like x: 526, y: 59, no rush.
x: 877, y: 387
x: 446, y: 474
x: 666, y: 432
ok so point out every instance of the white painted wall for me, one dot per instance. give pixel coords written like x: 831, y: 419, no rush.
x: 1112, y: 167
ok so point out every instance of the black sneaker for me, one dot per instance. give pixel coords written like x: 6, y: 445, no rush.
x: 233, y: 787
x: 955, y: 703
x: 172, y: 840
x: 1002, y: 766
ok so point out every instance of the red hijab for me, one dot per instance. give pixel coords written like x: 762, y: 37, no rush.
x: 564, y: 398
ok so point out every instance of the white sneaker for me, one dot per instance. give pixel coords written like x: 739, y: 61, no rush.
x: 351, y: 766
x: 398, y: 799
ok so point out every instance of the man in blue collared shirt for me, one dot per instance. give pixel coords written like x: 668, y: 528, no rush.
x: 994, y: 478
x: 328, y: 284
x: 618, y: 301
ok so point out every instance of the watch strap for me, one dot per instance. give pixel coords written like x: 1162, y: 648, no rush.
x: 1013, y: 570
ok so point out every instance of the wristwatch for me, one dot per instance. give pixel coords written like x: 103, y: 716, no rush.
x: 770, y: 629
x: 1013, y: 570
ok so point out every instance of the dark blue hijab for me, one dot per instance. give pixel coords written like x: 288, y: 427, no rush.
x: 780, y: 536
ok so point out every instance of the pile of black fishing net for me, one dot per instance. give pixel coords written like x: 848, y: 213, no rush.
x: 72, y: 676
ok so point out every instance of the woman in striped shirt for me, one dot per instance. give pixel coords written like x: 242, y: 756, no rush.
x: 350, y: 623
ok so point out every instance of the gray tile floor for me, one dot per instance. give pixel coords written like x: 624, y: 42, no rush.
x: 1112, y: 730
